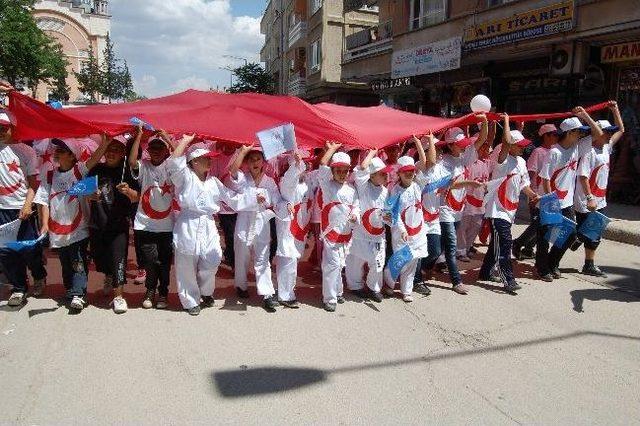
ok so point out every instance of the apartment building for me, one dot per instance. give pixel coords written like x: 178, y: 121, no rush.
x: 304, y: 48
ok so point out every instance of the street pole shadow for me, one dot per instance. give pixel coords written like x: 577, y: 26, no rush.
x: 597, y: 294
x: 245, y: 382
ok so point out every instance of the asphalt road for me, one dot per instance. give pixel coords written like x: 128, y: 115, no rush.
x: 565, y: 352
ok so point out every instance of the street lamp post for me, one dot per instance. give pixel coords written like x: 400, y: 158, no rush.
x: 239, y: 58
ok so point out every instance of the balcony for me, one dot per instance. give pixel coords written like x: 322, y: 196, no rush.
x: 297, y: 31
x: 297, y: 84
x: 370, y: 41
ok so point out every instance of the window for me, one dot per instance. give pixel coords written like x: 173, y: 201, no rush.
x: 427, y: 12
x: 315, y: 59
x: 315, y: 6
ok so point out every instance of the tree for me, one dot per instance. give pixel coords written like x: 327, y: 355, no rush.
x: 128, y: 94
x: 252, y: 78
x: 111, y: 73
x: 27, y: 54
x: 57, y: 71
x: 90, y: 78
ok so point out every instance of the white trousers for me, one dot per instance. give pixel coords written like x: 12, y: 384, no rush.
x: 287, y: 274
x: 333, y: 260
x: 196, y: 275
x: 354, y: 269
x: 261, y: 266
x: 467, y: 232
x: 405, y: 279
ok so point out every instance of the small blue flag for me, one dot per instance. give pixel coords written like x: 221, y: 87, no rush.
x: 594, y: 225
x: 440, y: 183
x: 136, y: 122
x: 55, y: 104
x: 550, y: 211
x: 392, y: 208
x: 21, y: 245
x: 86, y: 186
x: 559, y: 233
x: 398, y: 260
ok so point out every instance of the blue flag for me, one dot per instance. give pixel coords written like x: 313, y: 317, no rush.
x: 559, y: 233
x: 392, y: 207
x: 398, y: 260
x: 440, y: 183
x: 594, y: 225
x: 21, y: 245
x: 550, y: 211
x: 86, y: 186
x: 136, y: 122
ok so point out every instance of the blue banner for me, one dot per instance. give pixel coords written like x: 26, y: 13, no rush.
x: 86, y: 186
x: 136, y: 122
x: 550, y: 211
x: 559, y: 233
x: 594, y: 225
x: 398, y: 260
x: 440, y: 183
x: 392, y: 208
x: 21, y: 245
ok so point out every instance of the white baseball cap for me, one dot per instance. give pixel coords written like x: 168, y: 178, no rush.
x: 547, y: 128
x: 340, y: 159
x: 377, y: 165
x: 406, y: 163
x: 573, y: 123
x: 200, y: 149
x: 519, y: 139
x: 454, y: 134
x: 606, y: 126
x: 69, y: 144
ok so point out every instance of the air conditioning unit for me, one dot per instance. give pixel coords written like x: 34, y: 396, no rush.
x: 568, y: 59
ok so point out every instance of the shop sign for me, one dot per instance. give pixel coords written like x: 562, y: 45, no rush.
x: 620, y: 52
x: 540, y: 84
x: 629, y: 80
x: 390, y: 83
x: 434, y: 57
x: 541, y: 22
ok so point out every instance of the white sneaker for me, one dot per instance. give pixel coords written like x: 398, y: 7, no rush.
x: 407, y: 298
x: 38, y: 286
x: 16, y: 299
x: 119, y: 305
x: 107, y: 287
x: 77, y: 303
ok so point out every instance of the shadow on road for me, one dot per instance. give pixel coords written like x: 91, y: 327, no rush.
x: 245, y: 381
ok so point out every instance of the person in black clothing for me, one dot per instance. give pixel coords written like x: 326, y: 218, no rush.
x: 110, y: 212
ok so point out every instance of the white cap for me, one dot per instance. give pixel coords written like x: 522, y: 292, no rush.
x: 200, y: 149
x: 406, y: 164
x: 377, y: 165
x: 573, y: 123
x: 518, y: 138
x: 340, y: 159
x: 71, y: 144
x: 606, y: 126
x: 454, y: 134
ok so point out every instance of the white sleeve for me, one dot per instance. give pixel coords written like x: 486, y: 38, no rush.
x: 584, y: 146
x: 524, y: 176
x: 361, y: 177
x: 178, y: 170
x: 421, y: 179
x: 469, y: 156
x: 289, y: 181
x: 28, y: 160
x: 82, y: 168
x: 532, y: 162
x: 545, y: 173
x: 585, y: 165
x: 237, y: 202
x: 42, y: 194
x: 238, y: 184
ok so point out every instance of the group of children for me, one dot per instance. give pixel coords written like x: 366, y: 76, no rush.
x: 444, y: 191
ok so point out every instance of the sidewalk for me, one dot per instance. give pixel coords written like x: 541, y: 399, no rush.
x: 624, y: 226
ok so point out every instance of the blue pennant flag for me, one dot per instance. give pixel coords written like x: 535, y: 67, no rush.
x: 594, y: 225
x: 86, y: 186
x: 440, y: 183
x: 559, y: 233
x: 136, y: 122
x: 21, y: 245
x: 550, y: 211
x: 392, y: 208
x: 398, y: 260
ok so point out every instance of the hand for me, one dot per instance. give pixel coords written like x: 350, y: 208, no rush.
x: 105, y: 139
x: 5, y: 86
x: 94, y: 197
x: 140, y: 128
x: 334, y: 146
x: 261, y: 199
x: 580, y: 112
x: 612, y: 105
x: 290, y: 208
x: 405, y: 237
x: 592, y: 205
x: 188, y: 138
x: 429, y: 138
x: 534, y: 199
x: 415, y: 139
x: 386, y: 217
x: 353, y: 218
x: 25, y: 212
x: 504, y: 116
x: 44, y: 229
x: 298, y: 158
x: 123, y: 187
x: 477, y: 184
x: 483, y: 117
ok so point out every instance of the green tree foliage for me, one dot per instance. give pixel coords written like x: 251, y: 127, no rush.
x: 252, y: 78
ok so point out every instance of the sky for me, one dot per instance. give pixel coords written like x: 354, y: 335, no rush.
x: 171, y: 46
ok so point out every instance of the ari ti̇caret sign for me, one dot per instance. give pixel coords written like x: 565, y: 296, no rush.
x: 620, y: 52
x: 541, y: 22
x: 438, y: 56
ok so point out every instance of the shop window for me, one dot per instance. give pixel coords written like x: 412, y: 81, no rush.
x: 427, y: 12
x: 315, y: 58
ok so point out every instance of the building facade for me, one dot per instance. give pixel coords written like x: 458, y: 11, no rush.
x: 79, y: 26
x: 304, y: 47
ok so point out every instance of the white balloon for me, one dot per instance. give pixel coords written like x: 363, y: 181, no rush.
x: 480, y: 103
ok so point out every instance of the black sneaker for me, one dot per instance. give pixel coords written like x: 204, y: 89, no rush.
x: 340, y: 299
x: 207, y: 301
x: 527, y: 253
x: 545, y: 277
x: 516, y: 251
x: 512, y: 287
x: 555, y: 272
x: 594, y: 271
x: 270, y: 304
x: 421, y: 288
x: 242, y: 294
x: 375, y: 296
x: 361, y: 293
x: 195, y: 311
x: 292, y: 304
x: 330, y: 307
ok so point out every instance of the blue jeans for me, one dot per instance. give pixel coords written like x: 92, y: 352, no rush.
x: 450, y: 249
x: 75, y: 270
x: 433, y: 245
